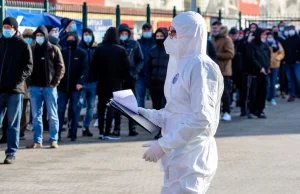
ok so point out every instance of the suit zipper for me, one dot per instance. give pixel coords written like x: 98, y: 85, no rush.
x: 4, y: 57
x: 68, y: 81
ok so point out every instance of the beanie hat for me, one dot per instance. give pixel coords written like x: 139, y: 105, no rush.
x: 65, y: 22
x: 28, y: 33
x: 49, y: 28
x: 233, y: 30
x: 147, y: 25
x: 12, y: 22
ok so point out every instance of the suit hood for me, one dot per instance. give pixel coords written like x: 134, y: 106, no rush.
x: 191, y: 32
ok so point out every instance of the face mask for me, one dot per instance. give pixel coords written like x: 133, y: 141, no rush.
x: 55, y: 35
x: 7, y: 33
x: 286, y: 33
x: 71, y: 44
x: 217, y: 33
x: 28, y: 40
x: 40, y: 40
x: 292, y: 32
x: 74, y: 27
x: 240, y: 38
x: 270, y: 40
x: 171, y: 46
x: 281, y: 29
x: 263, y: 40
x: 147, y: 34
x: 123, y: 38
x: 160, y: 41
x: 87, y: 39
x: 209, y: 38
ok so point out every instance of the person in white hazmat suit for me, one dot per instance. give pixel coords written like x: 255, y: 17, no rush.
x: 187, y: 149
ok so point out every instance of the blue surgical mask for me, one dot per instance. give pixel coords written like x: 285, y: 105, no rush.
x: 28, y: 40
x: 281, y: 29
x: 217, y: 34
x: 40, y: 40
x: 123, y: 38
x: 263, y: 40
x: 292, y: 32
x: 286, y: 33
x: 270, y: 40
x: 209, y: 38
x: 88, y: 39
x: 147, y: 34
x: 7, y: 33
x: 74, y: 27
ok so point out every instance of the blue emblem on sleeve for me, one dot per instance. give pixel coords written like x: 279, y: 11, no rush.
x: 175, y: 78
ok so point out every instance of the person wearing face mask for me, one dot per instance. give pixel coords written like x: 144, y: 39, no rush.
x: 53, y: 35
x: 259, y: 56
x: 69, y: 26
x: 69, y: 89
x: 89, y: 45
x: 147, y: 41
x: 187, y: 148
x: 158, y: 64
x: 47, y: 72
x: 277, y: 54
x: 15, y: 67
x: 136, y: 59
x: 225, y: 54
x: 111, y: 66
x: 291, y: 62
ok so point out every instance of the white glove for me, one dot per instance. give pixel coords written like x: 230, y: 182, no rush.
x: 155, y: 116
x: 154, y: 152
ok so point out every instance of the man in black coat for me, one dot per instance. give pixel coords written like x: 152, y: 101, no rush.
x: 69, y: 89
x: 15, y: 67
x: 136, y: 59
x: 111, y: 66
x: 259, y: 57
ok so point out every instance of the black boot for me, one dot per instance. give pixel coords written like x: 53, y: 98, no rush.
x: 87, y: 133
x: 117, y: 131
x: 158, y: 135
x: 132, y: 132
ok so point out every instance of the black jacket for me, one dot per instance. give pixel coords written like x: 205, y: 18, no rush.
x: 258, y: 54
x: 76, y: 69
x: 15, y: 64
x: 89, y: 49
x: 111, y: 66
x: 291, y: 47
x: 211, y: 51
x: 146, y: 44
x: 237, y: 61
x: 134, y: 52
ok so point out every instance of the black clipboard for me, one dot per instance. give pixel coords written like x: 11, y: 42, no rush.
x: 138, y: 119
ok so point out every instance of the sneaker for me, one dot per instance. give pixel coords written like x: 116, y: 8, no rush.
x: 250, y: 116
x: 87, y: 133
x: 22, y: 137
x: 73, y: 138
x: 133, y: 133
x: 101, y: 136
x: 69, y: 135
x: 262, y: 116
x: 291, y: 99
x: 54, y: 144
x: 35, y: 146
x: 29, y: 127
x: 96, y: 123
x: 9, y: 160
x: 111, y: 137
x: 116, y: 133
x: 226, y: 117
x: 273, y: 102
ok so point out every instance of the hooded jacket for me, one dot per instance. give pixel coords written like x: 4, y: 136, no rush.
x: 291, y: 47
x: 225, y: 51
x: 146, y: 44
x: 52, y: 60
x: 15, y: 63
x: 77, y: 67
x: 258, y: 54
x: 134, y: 52
x: 89, y: 49
x: 158, y: 63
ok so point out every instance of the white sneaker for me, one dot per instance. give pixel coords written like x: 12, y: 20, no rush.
x: 96, y: 123
x: 226, y: 117
x: 101, y: 136
x: 273, y: 102
x: 111, y: 137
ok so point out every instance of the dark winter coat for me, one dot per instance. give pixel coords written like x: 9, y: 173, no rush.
x: 237, y: 61
x: 291, y: 47
x: 134, y: 52
x: 89, y: 49
x: 258, y: 54
x: 211, y: 51
x: 146, y: 44
x: 15, y: 64
x: 77, y: 69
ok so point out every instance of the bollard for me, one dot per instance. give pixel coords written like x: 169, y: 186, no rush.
x: 198, y: 10
x: 118, y: 16
x: 148, y: 13
x: 2, y: 13
x: 84, y: 15
x: 174, y: 12
x: 46, y: 6
x: 220, y: 15
x: 240, y: 20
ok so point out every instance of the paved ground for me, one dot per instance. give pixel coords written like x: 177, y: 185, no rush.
x: 255, y: 157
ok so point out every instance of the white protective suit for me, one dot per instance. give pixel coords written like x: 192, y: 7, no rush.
x: 191, y: 116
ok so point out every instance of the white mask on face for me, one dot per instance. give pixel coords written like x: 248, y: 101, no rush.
x: 56, y: 35
x: 286, y: 33
x: 292, y: 32
x: 171, y: 46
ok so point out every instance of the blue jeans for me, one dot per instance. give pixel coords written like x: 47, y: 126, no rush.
x: 140, y: 89
x: 293, y: 75
x: 12, y: 103
x: 63, y: 98
x: 39, y: 96
x: 272, y: 81
x: 89, y: 95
